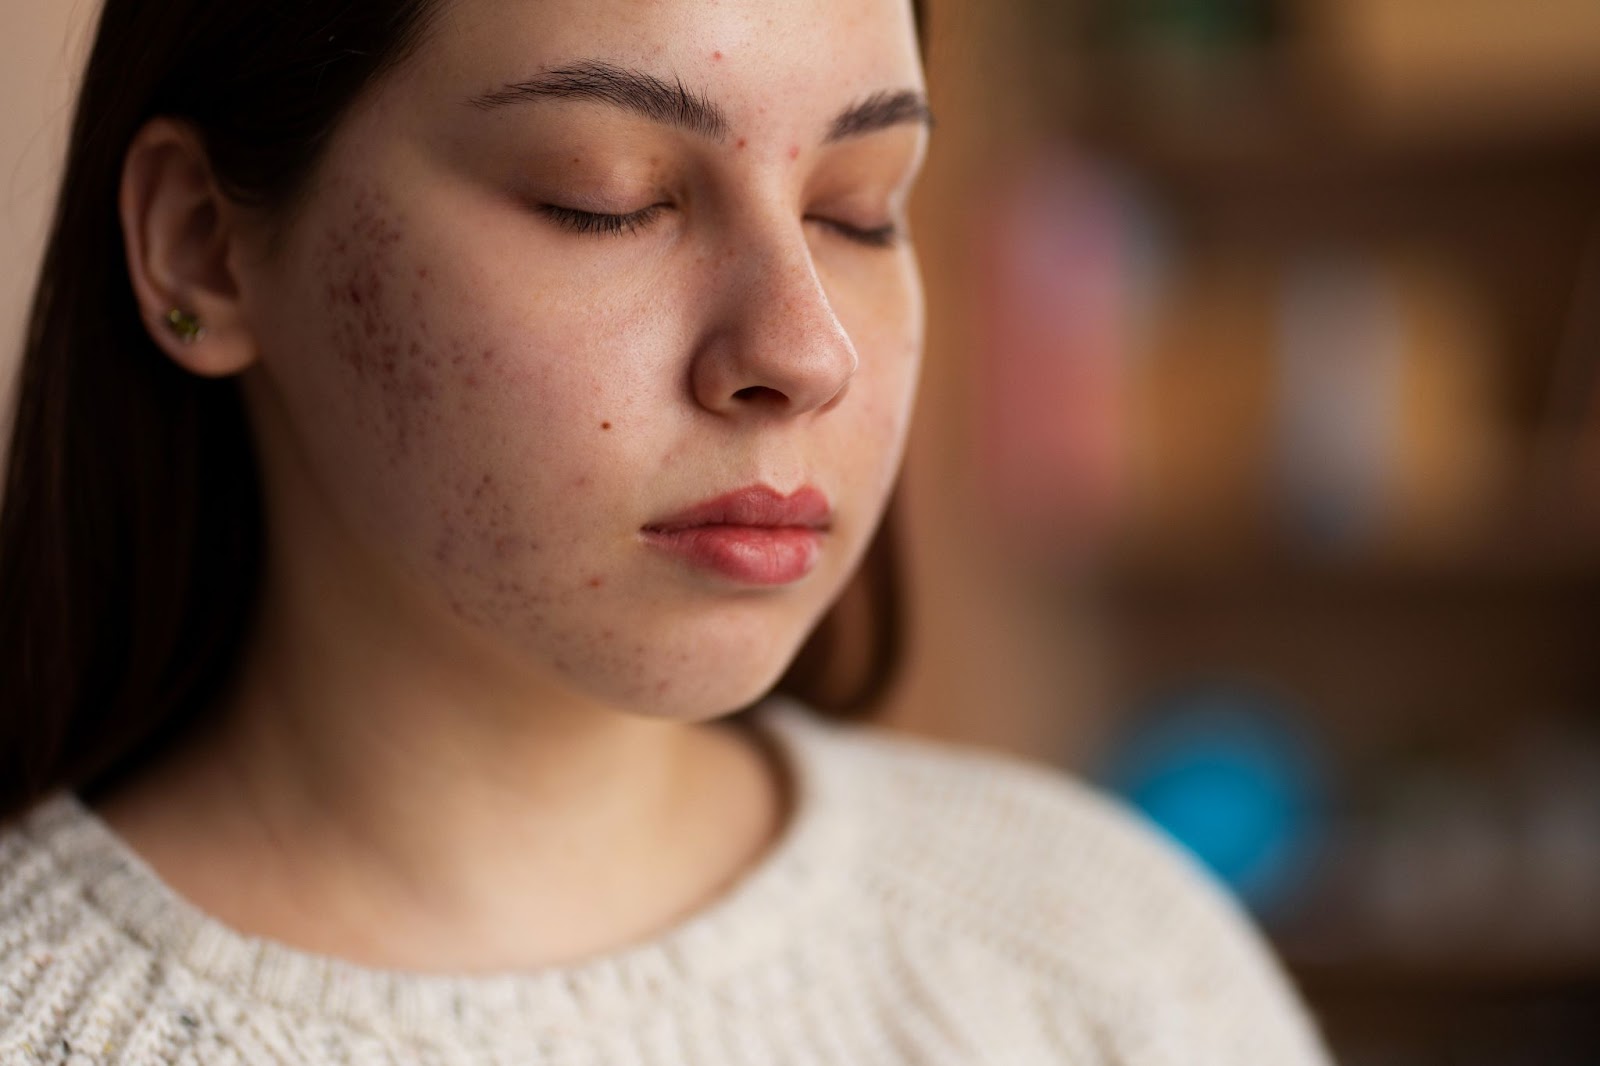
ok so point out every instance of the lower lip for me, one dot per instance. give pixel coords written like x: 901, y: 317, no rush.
x: 751, y: 555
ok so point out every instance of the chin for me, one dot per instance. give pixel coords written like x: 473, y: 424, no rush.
x: 702, y: 687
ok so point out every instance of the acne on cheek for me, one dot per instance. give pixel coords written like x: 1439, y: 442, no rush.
x: 480, y: 545
x: 419, y: 386
x: 385, y: 345
x: 397, y: 373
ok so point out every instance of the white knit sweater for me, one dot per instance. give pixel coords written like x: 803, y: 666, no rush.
x: 926, y: 904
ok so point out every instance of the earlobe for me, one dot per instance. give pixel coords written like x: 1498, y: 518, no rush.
x: 177, y: 234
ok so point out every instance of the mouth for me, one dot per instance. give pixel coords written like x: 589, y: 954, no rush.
x: 751, y: 536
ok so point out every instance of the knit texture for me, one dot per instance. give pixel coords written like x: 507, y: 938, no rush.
x: 925, y: 904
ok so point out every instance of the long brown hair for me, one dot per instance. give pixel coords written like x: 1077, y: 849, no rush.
x: 131, y: 529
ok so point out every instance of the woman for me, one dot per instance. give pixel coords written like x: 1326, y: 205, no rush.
x: 438, y: 417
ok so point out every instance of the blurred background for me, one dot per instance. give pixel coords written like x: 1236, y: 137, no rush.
x: 1259, y: 472
x: 1257, y: 475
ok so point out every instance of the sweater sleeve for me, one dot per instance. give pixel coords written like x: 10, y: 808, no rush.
x: 1193, y: 981
x: 1108, y: 943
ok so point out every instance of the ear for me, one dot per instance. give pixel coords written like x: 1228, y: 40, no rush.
x: 178, y: 230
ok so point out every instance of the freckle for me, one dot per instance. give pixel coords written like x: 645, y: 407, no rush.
x: 605, y: 425
x: 608, y: 634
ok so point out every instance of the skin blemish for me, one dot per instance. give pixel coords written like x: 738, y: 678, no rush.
x: 605, y: 425
x: 743, y: 142
x: 794, y: 151
x: 717, y: 56
x: 596, y: 582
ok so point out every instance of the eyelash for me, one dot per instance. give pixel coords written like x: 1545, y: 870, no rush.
x: 589, y: 222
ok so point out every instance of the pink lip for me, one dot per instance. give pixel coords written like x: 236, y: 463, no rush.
x: 754, y: 535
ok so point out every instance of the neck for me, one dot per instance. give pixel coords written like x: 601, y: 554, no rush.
x: 354, y: 786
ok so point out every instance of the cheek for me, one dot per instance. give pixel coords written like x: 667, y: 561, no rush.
x: 461, y: 440
x: 392, y: 358
x: 888, y: 339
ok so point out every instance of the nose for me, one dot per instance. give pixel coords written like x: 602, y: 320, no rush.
x: 775, y: 346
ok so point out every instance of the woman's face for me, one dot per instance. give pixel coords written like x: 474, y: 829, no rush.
x: 507, y: 400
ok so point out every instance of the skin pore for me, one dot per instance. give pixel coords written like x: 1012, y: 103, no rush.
x: 530, y: 304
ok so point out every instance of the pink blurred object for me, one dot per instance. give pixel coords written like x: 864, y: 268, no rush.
x: 1060, y: 274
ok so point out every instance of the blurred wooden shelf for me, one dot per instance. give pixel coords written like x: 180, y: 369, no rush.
x: 1279, y: 113
x: 1465, y: 971
x: 1507, y: 566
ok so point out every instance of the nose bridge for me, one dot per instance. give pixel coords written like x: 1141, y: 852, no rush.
x: 780, y: 344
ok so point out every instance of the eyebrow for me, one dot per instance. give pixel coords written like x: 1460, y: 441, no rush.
x: 880, y: 111
x: 674, y: 104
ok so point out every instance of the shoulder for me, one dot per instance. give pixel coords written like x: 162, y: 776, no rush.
x: 1017, y: 838
x: 73, y: 986
x: 1078, y: 892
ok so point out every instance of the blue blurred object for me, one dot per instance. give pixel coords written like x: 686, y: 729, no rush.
x: 1235, y: 776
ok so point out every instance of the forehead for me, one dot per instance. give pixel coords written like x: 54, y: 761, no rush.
x: 762, y: 61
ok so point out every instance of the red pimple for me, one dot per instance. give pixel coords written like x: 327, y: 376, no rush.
x: 794, y: 151
x: 596, y: 582
x: 742, y: 142
x: 716, y: 55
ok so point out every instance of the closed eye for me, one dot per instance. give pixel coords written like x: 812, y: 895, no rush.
x: 592, y: 222
x: 885, y: 236
x: 576, y: 221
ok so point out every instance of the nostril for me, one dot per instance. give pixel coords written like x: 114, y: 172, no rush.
x: 760, y: 394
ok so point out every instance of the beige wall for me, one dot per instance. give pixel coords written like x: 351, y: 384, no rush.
x: 41, y: 49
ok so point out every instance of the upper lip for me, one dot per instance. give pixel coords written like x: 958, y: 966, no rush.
x: 753, y: 505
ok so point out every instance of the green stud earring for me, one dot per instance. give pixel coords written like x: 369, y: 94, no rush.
x: 185, y: 325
